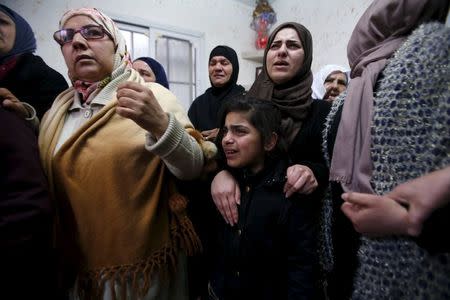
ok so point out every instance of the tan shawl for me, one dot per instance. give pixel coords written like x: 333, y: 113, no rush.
x: 119, y: 214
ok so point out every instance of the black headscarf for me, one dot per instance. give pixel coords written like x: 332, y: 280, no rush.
x: 25, y: 41
x: 158, y: 70
x: 205, y: 109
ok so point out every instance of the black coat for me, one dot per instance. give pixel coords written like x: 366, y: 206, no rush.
x: 32, y: 81
x: 204, y: 111
x: 306, y: 148
x: 27, y: 270
x: 270, y: 253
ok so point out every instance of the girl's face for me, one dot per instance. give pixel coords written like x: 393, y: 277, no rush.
x: 242, y: 143
x: 285, y: 56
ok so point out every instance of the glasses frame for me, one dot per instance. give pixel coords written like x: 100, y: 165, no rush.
x: 81, y: 31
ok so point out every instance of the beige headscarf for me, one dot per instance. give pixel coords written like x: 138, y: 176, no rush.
x: 378, y: 34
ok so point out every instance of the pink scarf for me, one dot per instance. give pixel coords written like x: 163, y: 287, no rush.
x: 85, y: 89
x: 378, y: 34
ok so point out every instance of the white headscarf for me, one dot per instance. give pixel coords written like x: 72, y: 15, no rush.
x: 318, y: 88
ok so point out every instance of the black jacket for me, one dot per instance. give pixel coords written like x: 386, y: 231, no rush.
x: 32, y: 81
x: 270, y: 253
x: 27, y: 267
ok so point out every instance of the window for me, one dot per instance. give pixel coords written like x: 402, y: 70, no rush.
x: 176, y: 51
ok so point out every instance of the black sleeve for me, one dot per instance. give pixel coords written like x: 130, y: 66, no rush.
x: 25, y: 212
x: 301, y: 250
x: 306, y: 149
x: 192, y: 115
x: 434, y: 236
x: 48, y: 85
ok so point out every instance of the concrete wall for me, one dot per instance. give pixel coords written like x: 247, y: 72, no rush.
x: 220, y: 22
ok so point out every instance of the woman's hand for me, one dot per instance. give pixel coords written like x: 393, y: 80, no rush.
x: 403, y: 210
x: 300, y: 179
x: 423, y: 195
x: 11, y: 103
x: 210, y: 135
x: 137, y: 102
x: 375, y: 215
x: 226, y: 195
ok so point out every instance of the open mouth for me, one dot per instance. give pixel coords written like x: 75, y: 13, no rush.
x: 281, y: 63
x: 230, y: 153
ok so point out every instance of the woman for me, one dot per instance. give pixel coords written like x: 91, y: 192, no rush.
x: 286, y: 81
x: 272, y: 247
x: 329, y: 82
x: 122, y: 227
x: 394, y: 128
x: 24, y: 76
x: 151, y: 71
x: 223, y: 69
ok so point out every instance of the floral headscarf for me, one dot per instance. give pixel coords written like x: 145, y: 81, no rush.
x: 122, y: 60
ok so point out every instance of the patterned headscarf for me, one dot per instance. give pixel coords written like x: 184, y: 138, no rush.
x: 378, y: 34
x: 25, y: 41
x: 122, y: 59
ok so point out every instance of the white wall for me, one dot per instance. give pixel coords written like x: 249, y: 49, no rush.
x: 330, y: 23
x: 221, y: 21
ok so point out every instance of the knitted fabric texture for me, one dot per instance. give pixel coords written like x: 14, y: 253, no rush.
x: 410, y: 137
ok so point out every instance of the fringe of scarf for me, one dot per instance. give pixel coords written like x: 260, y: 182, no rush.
x: 182, y: 236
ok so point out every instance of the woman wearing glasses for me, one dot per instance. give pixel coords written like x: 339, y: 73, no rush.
x: 111, y: 146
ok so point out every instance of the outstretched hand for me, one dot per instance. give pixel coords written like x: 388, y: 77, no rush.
x: 138, y: 103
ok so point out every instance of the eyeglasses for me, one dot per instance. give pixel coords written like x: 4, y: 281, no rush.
x: 89, y: 32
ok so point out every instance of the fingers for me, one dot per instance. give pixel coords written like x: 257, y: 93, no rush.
x: 300, y: 179
x: 11, y: 103
x: 225, y: 192
x: 227, y: 207
x: 211, y: 134
x: 349, y: 210
x: 6, y: 94
x: 416, y: 218
x: 358, y: 198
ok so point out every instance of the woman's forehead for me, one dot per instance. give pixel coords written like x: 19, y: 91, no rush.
x: 79, y: 20
x: 287, y: 33
x: 5, y: 16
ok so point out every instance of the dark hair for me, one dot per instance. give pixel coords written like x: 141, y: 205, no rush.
x: 262, y: 114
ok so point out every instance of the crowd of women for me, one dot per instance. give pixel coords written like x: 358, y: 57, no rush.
x: 110, y: 190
